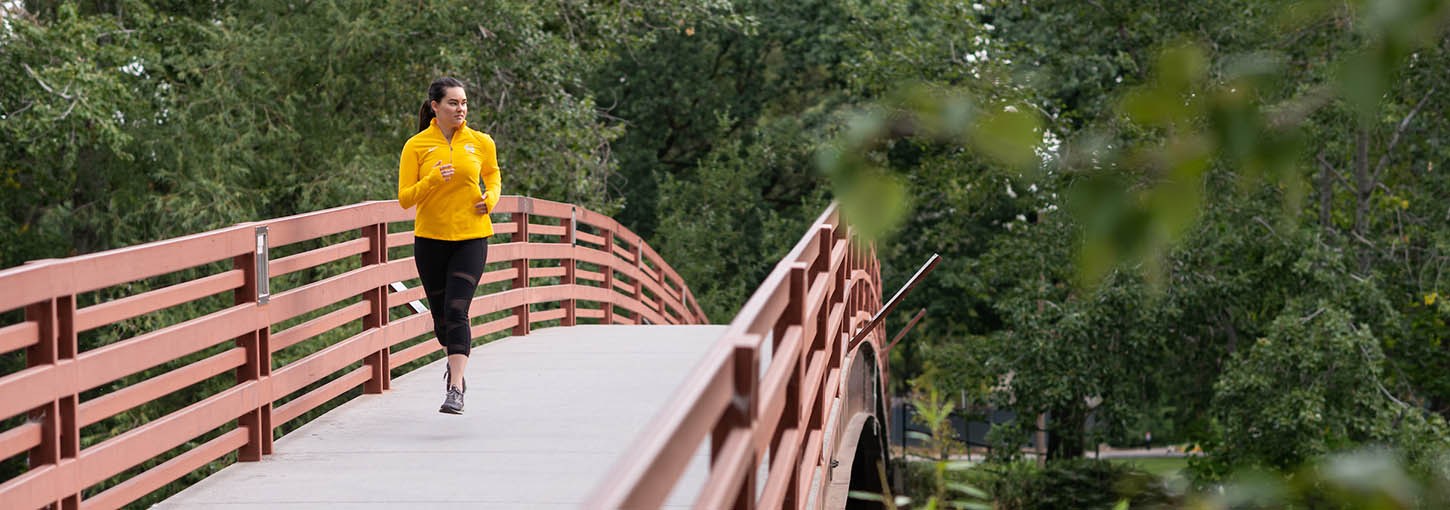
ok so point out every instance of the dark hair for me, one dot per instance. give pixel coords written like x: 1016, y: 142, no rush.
x: 435, y: 93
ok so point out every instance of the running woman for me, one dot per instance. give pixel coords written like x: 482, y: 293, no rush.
x: 450, y: 172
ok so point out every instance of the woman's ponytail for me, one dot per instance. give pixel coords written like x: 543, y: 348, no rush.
x: 435, y: 93
x: 425, y: 115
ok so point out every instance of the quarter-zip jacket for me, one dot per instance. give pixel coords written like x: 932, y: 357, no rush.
x: 445, y: 208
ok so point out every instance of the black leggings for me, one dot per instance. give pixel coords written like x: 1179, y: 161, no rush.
x: 450, y: 272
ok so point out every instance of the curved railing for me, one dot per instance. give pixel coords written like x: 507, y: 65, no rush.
x: 799, y: 324
x: 566, y: 265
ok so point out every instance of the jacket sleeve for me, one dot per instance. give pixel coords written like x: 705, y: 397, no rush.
x: 488, y: 173
x: 411, y: 189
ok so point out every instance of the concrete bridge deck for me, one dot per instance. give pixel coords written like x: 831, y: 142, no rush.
x: 547, y: 414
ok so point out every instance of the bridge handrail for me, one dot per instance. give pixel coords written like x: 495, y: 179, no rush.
x: 802, y: 317
x: 64, y: 389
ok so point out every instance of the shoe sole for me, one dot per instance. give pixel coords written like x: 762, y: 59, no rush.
x: 449, y: 410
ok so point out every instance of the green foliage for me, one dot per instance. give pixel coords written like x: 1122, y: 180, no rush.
x: 1315, y: 381
x: 136, y: 123
x: 70, y: 129
x: 728, y: 206
x: 1370, y: 478
x: 1077, y: 483
x: 1316, y: 384
x: 1217, y: 171
x: 944, y: 489
x: 873, y: 194
x: 1022, y: 485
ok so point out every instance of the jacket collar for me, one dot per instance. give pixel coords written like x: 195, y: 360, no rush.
x: 433, y: 123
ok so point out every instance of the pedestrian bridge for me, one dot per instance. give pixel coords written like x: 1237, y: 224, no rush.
x: 312, y: 381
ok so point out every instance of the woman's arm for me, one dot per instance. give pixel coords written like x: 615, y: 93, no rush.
x: 488, y: 173
x: 411, y: 189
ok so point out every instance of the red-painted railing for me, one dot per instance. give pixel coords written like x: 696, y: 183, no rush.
x: 799, y: 323
x: 575, y: 265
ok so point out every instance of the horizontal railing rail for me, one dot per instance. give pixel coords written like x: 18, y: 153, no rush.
x: 566, y: 265
x: 775, y: 418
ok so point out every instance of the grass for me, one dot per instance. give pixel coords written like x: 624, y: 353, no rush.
x: 1167, y: 468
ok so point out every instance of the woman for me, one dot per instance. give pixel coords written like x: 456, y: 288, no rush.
x: 451, y: 173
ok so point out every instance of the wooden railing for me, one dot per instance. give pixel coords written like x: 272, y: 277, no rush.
x: 574, y: 266
x: 801, y: 319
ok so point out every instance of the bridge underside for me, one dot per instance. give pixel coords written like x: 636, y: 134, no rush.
x: 546, y: 416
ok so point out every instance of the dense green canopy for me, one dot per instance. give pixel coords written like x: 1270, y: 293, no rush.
x: 1218, y: 220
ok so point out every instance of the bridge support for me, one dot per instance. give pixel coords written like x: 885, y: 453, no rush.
x: 860, y: 442
x: 570, y: 305
x: 381, y: 378
x: 59, y: 431
x: 861, y: 448
x: 521, y: 266
x: 257, y: 344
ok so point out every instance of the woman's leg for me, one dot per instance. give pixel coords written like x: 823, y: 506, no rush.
x: 431, y: 258
x: 465, y: 266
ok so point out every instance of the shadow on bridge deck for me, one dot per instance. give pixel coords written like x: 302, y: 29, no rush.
x: 546, y: 416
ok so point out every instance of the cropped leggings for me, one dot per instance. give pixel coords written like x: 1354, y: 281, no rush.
x: 450, y: 272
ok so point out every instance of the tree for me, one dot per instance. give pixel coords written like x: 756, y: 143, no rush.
x: 1315, y: 382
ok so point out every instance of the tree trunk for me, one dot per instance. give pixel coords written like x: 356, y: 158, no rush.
x: 1065, y: 434
x: 1326, y: 194
x: 1365, y: 189
x: 1233, y: 334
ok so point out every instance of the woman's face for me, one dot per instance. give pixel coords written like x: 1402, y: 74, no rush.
x: 452, y: 109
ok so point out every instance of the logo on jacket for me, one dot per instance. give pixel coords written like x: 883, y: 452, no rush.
x: 469, y: 147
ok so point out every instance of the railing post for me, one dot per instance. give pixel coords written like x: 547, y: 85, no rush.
x: 521, y: 270
x: 608, y: 277
x: 685, y: 315
x: 639, y: 280
x: 834, y: 346
x: 570, y: 317
x: 794, y: 315
x: 686, y: 299
x: 60, y: 433
x: 377, y: 317
x: 739, y: 414
x: 850, y: 302
x: 257, y: 422
x: 44, y: 353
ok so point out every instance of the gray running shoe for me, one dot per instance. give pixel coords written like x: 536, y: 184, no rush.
x: 453, y: 404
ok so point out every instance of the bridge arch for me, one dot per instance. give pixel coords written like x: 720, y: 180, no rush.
x: 861, y: 442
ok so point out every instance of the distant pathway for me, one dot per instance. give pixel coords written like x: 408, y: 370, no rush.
x: 1105, y: 453
x: 1136, y: 453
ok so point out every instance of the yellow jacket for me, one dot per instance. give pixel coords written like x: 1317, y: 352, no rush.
x: 445, y: 208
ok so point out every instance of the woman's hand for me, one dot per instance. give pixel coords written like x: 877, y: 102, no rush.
x: 482, y: 206
x: 445, y: 170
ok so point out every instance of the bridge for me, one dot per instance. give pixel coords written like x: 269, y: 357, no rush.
x: 601, y: 384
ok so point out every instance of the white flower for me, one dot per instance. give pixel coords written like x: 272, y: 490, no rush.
x: 134, y: 68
